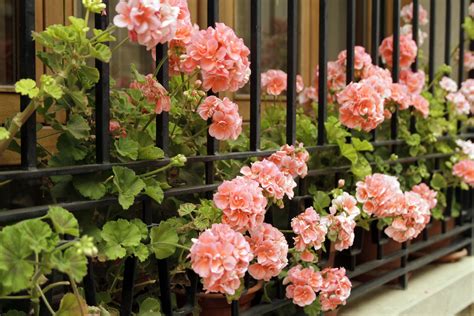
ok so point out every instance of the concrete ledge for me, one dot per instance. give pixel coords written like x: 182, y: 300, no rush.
x: 438, y: 289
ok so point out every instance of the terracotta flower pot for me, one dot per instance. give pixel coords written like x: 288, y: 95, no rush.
x: 214, y: 304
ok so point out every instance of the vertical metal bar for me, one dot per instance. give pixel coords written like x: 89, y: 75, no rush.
x: 212, y: 16
x: 89, y: 285
x: 292, y: 56
x: 323, y: 71
x: 375, y: 37
x: 414, y: 66
x: 165, y: 287
x: 447, y: 33
x: 432, y: 38
x: 403, y: 263
x: 102, y: 92
x: 127, y: 286
x: 27, y: 70
x: 162, y: 120
x: 383, y: 25
x: 350, y: 40
x: 234, y: 308
x: 396, y: 63
x: 462, y: 13
x: 255, y: 56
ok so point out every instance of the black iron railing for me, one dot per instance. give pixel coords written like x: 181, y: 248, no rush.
x: 463, y: 231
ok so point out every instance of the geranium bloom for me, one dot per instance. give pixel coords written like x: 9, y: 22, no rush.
x: 465, y: 170
x: 274, y: 182
x: 336, y: 77
x: 154, y: 93
x: 341, y: 231
x: 299, y: 83
x: 220, y: 256
x: 242, y: 203
x: 425, y: 192
x: 400, y: 95
x: 381, y: 195
x: 421, y: 105
x: 467, y: 89
x: 114, y: 126
x: 448, y: 84
x: 149, y: 22
x: 406, y: 13
x: 221, y: 56
x: 361, y: 58
x: 361, y: 106
x: 310, y: 229
x: 345, y: 203
x: 414, y: 81
x: 291, y: 160
x: 415, y: 218
x: 460, y: 102
x: 309, y: 94
x: 407, y: 30
x: 226, y: 121
x: 270, y: 248
x: 468, y: 61
x: 467, y: 147
x: 336, y: 288
x: 408, y: 51
x: 274, y: 81
x: 303, y: 283
x: 471, y: 10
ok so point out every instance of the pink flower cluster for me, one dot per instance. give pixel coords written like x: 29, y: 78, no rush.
x: 408, y: 51
x: 461, y: 105
x: 416, y: 215
x: 310, y: 230
x: 468, y: 61
x: 220, y: 256
x: 270, y: 248
x: 341, y: 231
x: 226, y: 121
x: 406, y: 13
x: 345, y: 203
x: 467, y: 89
x: 448, y: 84
x: 336, y: 288
x: 467, y: 147
x: 426, y: 193
x: 303, y: 285
x: 291, y: 160
x: 273, y: 181
x: 381, y: 195
x: 154, y: 93
x: 464, y: 169
x: 242, y: 203
x: 361, y: 59
x: 274, y: 82
x: 149, y: 22
x: 221, y: 56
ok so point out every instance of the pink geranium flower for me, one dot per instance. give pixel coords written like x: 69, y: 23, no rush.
x: 406, y: 13
x: 361, y: 106
x: 381, y: 195
x: 467, y: 89
x: 303, y: 285
x: 465, y: 171
x: 221, y: 56
x: 408, y: 51
x: 274, y: 82
x: 468, y: 61
x: 421, y: 105
x: 448, y: 84
x: 309, y: 94
x: 270, y: 248
x: 425, y: 192
x: 242, y: 203
x: 467, y: 147
x: 461, y: 105
x: 336, y: 288
x: 336, y: 77
x: 291, y: 160
x: 400, y: 95
x: 341, y: 231
x: 361, y: 58
x: 414, y: 219
x: 344, y: 203
x: 220, y: 256
x: 414, y: 81
x: 149, y: 22
x: 154, y: 93
x: 226, y: 120
x: 299, y: 83
x: 310, y: 229
x: 274, y: 182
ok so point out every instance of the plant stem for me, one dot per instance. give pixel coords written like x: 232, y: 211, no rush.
x: 15, y: 297
x: 289, y: 231
x: 152, y: 173
x: 149, y: 122
x: 108, y: 179
x: 158, y: 67
x: 86, y: 17
x: 119, y: 44
x: 76, y: 294
x: 45, y: 300
x: 54, y: 285
x: 5, y: 182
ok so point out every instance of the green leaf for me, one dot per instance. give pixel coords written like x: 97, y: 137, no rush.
x: 150, y: 307
x: 70, y: 148
x: 70, y: 262
x: 89, y: 186
x: 78, y: 23
x: 63, y: 221
x: 120, y: 235
x: 16, y: 268
x: 314, y: 309
x: 321, y: 200
x: 4, y: 134
x: 348, y: 151
x: 141, y: 227
x: 70, y: 306
x: 114, y: 252
x: 186, y: 208
x: 150, y: 153
x: 102, y: 36
x: 362, y: 145
x: 89, y: 76
x: 141, y: 252
x: 438, y: 182
x: 36, y: 232
x: 51, y: 87
x: 361, y: 168
x: 27, y: 87
x: 335, y: 132
x: 78, y: 127
x: 413, y: 140
x: 101, y: 52
x: 163, y: 239
x: 128, y: 185
x: 127, y: 147
x: 154, y: 190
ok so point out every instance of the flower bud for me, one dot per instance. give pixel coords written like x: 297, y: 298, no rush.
x: 341, y: 183
x: 178, y: 160
x: 94, y: 6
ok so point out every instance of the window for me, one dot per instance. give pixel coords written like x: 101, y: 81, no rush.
x: 8, y: 50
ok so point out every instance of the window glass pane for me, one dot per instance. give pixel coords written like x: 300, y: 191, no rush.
x: 8, y: 51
